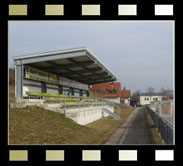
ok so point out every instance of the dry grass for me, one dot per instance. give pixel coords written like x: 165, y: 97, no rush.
x: 34, y: 125
x: 155, y: 137
x: 106, y: 127
x: 11, y: 85
x: 11, y: 93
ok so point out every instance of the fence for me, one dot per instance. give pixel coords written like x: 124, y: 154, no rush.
x: 165, y: 128
x: 164, y: 109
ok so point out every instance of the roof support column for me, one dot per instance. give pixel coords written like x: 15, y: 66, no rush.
x: 87, y: 93
x: 60, y: 89
x: 72, y: 91
x: 81, y: 92
x: 43, y: 87
x: 19, y: 81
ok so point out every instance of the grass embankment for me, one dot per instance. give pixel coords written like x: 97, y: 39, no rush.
x: 33, y: 125
x: 11, y: 94
x: 11, y: 85
x: 155, y: 137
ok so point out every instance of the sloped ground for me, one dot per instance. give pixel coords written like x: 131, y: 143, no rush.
x: 34, y: 125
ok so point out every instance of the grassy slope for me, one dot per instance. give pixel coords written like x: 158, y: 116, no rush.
x: 155, y: 137
x: 11, y: 94
x: 33, y: 125
x: 11, y: 85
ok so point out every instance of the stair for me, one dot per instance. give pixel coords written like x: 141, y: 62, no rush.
x: 111, y: 114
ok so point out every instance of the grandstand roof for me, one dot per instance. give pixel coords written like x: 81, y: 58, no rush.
x: 77, y: 64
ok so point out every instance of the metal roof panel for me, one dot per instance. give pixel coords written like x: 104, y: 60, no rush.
x: 68, y: 63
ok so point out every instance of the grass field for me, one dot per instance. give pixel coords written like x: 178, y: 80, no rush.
x: 34, y: 125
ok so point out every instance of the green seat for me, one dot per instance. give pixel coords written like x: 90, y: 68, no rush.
x: 73, y: 100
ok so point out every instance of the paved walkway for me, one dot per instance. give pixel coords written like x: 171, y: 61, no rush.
x: 133, y: 131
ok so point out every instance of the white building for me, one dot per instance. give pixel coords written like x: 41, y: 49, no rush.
x: 145, y: 99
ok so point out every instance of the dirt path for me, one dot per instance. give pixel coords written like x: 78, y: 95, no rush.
x: 133, y: 131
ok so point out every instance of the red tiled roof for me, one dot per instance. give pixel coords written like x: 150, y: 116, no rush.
x: 124, y: 93
x: 110, y: 86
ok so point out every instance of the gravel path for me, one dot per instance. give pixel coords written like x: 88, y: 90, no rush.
x: 133, y: 131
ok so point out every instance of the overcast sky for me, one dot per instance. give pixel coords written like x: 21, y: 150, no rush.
x: 140, y: 54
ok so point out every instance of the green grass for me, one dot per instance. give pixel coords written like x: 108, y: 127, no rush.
x: 34, y: 125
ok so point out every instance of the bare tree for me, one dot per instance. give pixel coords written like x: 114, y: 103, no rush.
x: 150, y: 91
x: 136, y: 95
x: 163, y: 92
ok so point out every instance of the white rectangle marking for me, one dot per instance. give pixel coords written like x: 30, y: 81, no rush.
x: 127, y: 9
x: 163, y: 10
x: 91, y: 155
x: 164, y: 155
x: 127, y: 155
x: 88, y: 10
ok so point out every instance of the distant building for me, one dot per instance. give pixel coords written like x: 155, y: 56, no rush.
x: 169, y: 94
x: 145, y: 98
x: 125, y: 96
x: 112, y: 92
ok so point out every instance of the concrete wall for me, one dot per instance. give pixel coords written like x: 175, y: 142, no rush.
x: 80, y: 114
x: 87, y: 114
x: 27, y: 88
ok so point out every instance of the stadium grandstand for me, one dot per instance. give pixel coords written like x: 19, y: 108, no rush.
x: 61, y: 76
x: 59, y: 72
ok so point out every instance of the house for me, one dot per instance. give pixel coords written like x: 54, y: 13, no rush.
x: 125, y: 96
x: 145, y: 98
x: 112, y: 92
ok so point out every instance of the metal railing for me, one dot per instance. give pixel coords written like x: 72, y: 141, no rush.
x: 92, y: 102
x: 165, y: 128
x: 74, y: 101
x: 165, y: 109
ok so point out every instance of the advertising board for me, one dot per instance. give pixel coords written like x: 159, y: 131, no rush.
x: 36, y: 74
x: 39, y: 75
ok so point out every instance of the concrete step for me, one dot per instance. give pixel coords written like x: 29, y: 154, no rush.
x: 111, y: 114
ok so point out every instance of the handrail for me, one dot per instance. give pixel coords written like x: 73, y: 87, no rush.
x: 165, y: 128
x: 73, y: 100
